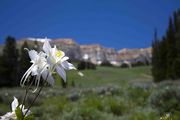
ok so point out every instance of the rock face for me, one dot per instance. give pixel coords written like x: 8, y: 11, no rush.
x: 111, y: 55
x: 96, y: 53
x: 135, y: 55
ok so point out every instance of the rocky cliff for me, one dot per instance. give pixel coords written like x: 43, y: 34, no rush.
x: 96, y: 53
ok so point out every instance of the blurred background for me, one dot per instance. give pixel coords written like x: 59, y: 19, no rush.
x: 128, y: 52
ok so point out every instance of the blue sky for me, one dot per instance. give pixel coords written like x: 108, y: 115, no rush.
x: 112, y: 23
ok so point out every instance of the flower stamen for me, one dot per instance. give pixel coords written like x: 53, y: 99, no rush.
x: 59, y: 53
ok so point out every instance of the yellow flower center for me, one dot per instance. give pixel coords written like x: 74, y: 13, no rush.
x: 59, y: 53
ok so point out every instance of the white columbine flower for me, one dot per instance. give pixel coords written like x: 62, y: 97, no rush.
x: 38, y: 68
x: 57, y: 60
x: 12, y: 115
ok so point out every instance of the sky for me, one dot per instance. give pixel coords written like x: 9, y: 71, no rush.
x: 111, y: 23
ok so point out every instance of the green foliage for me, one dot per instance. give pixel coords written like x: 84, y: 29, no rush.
x: 166, y: 99
x: 177, y: 66
x: 171, y: 116
x: 124, y: 65
x: 105, y: 94
x: 139, y: 63
x: 106, y: 63
x: 157, y: 58
x: 19, y: 113
x: 9, y: 63
x: 171, y: 50
x: 144, y: 114
x: 166, y: 52
x: 93, y: 102
x: 139, y: 95
x: 175, y: 115
x: 86, y: 65
x: 29, y: 117
x: 115, y: 107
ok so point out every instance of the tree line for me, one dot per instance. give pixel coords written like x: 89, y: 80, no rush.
x: 166, y: 51
x: 14, y: 62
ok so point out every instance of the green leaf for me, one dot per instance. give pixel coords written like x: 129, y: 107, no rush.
x: 29, y: 117
x: 19, y: 113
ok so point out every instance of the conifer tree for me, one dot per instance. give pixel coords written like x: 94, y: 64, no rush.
x: 155, y: 57
x: 171, y: 50
x: 10, y: 62
x: 177, y: 38
x: 166, y: 52
x: 162, y: 60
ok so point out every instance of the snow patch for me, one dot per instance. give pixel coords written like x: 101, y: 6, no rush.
x: 39, y: 39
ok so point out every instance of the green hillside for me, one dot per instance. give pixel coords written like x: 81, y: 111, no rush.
x: 106, y: 93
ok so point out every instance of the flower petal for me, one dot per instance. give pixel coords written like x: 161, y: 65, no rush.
x: 14, y: 104
x: 33, y: 55
x: 24, y: 110
x: 28, y: 113
x: 34, y: 70
x: 54, y: 50
x: 47, y: 47
x: 48, y: 78
x: 8, y: 116
x: 68, y: 66
x: 64, y: 58
x: 21, y: 106
x: 61, y: 72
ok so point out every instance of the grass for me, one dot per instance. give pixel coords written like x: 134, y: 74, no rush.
x: 109, y: 75
x: 106, y: 93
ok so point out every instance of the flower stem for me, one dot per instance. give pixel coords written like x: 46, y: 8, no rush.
x: 26, y: 92
x: 25, y: 95
x: 43, y: 84
x: 34, y: 100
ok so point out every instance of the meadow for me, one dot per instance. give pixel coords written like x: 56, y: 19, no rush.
x: 107, y: 93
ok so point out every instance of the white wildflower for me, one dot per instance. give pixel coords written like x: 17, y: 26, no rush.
x: 12, y: 115
x: 38, y: 68
x: 57, y: 60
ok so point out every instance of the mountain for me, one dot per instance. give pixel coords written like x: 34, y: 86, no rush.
x: 96, y: 53
x: 135, y: 55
